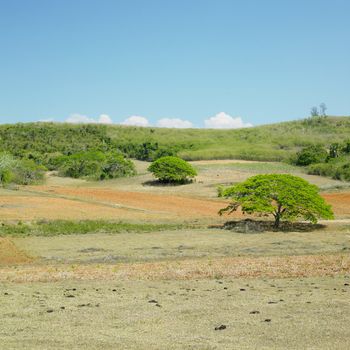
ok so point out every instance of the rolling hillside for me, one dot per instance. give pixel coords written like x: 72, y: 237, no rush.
x: 273, y: 142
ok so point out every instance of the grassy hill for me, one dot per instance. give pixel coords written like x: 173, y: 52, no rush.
x: 273, y: 142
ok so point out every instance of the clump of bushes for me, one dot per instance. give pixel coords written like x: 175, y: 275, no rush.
x: 333, y: 162
x: 95, y: 165
x: 171, y: 169
x: 21, y: 172
x: 338, y: 169
x: 311, y: 155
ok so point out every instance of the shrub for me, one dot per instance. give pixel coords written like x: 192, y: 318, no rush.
x: 171, y: 169
x: 95, y: 165
x: 21, y: 172
x: 310, y: 155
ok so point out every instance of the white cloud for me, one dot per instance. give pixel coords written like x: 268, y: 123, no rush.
x: 225, y: 121
x: 47, y: 120
x: 83, y: 119
x: 105, y: 119
x: 136, y: 120
x: 174, y: 123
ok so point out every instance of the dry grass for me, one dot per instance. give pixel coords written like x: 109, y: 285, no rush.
x: 10, y: 254
x: 272, y: 267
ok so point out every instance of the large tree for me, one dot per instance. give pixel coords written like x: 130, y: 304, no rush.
x: 280, y: 195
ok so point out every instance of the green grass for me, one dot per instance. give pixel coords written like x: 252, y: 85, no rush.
x: 69, y: 227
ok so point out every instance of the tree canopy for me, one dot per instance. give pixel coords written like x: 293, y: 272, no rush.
x: 172, y: 169
x: 285, y: 197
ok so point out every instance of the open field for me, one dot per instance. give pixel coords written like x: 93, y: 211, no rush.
x: 300, y: 313
x: 169, y: 288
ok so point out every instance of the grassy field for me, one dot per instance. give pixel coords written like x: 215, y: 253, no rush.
x: 143, y: 266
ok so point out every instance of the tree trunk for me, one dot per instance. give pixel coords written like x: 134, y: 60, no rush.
x: 277, y: 220
x: 278, y: 213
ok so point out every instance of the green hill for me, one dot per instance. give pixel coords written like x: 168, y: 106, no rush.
x: 273, y: 142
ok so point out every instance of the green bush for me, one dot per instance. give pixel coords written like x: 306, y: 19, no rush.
x: 95, y: 165
x: 338, y: 169
x: 310, y: 155
x: 171, y: 169
x: 21, y: 172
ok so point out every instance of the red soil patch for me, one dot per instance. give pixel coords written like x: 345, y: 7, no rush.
x: 157, y: 203
x: 42, y: 207
x: 340, y: 203
x: 9, y: 254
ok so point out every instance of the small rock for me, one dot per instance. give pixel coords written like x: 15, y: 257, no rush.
x: 153, y: 301
x: 255, y: 312
x: 267, y: 320
x: 49, y: 310
x: 242, y: 289
x: 221, y: 327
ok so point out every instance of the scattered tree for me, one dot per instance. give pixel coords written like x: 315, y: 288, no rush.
x: 171, y: 169
x: 314, y: 112
x: 280, y: 195
x: 323, y: 109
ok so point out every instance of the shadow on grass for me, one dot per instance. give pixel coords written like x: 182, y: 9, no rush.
x: 259, y: 226
x: 157, y: 183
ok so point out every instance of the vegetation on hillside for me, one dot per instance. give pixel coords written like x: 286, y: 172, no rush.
x: 95, y: 165
x: 285, y: 197
x: 48, y: 143
x: 267, y: 142
x: 333, y: 161
x: 21, y: 172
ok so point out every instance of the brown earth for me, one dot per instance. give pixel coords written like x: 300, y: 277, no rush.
x: 10, y: 254
x: 59, y: 202
x: 136, y: 203
x: 340, y: 203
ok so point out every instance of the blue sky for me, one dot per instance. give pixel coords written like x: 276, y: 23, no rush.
x: 178, y: 61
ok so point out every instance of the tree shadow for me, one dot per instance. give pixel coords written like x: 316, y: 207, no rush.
x: 157, y: 183
x: 259, y: 226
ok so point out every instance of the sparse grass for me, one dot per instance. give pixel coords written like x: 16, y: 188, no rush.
x: 166, y: 245
x: 301, y: 313
x: 256, y: 168
x: 70, y: 227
